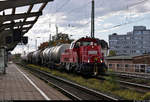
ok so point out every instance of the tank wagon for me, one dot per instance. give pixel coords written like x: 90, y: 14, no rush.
x: 82, y: 56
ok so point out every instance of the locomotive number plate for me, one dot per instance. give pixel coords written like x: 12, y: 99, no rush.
x: 92, y: 52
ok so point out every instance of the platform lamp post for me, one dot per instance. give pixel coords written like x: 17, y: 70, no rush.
x: 93, y: 19
x: 36, y: 46
x: 28, y: 46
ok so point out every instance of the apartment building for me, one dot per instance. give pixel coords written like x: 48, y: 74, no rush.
x: 136, y: 42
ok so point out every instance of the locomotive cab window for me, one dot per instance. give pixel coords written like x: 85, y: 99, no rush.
x: 72, y: 45
x: 87, y: 43
x: 77, y: 44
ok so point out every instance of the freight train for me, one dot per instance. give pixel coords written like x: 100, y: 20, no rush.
x: 81, y: 56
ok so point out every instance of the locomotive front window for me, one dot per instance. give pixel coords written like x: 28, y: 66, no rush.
x: 86, y: 43
x: 72, y: 45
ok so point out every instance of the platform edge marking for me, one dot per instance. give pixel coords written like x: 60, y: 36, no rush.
x: 31, y: 82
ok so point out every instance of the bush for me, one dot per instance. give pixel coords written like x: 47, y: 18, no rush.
x: 146, y: 96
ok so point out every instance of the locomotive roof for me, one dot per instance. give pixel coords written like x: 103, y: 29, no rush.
x: 96, y: 40
x: 87, y: 39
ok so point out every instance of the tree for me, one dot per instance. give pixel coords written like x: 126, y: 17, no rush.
x: 43, y: 45
x: 103, y: 43
x: 112, y: 53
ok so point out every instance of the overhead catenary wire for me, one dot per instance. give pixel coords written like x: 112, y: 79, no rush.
x: 138, y: 3
x: 128, y: 8
x: 132, y: 5
x: 126, y: 23
x: 57, y: 10
x: 62, y: 6
x: 74, y: 9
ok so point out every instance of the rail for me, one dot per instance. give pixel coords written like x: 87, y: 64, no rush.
x: 73, y: 90
x: 131, y: 75
x: 137, y: 86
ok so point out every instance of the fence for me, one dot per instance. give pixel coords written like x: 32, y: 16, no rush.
x: 139, y: 68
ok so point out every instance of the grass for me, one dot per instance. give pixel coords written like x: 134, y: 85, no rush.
x: 128, y: 94
x: 109, y: 86
x: 139, y: 81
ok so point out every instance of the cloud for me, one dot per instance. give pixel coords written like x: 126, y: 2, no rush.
x: 73, y: 16
x: 76, y: 12
x: 69, y: 14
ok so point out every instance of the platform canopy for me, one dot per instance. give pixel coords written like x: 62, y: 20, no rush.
x: 14, y: 20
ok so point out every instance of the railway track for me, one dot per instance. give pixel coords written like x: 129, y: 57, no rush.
x: 131, y: 75
x: 72, y: 90
x: 138, y: 87
x: 130, y: 85
x: 138, y: 76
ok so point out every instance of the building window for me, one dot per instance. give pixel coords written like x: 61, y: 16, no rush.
x: 128, y: 38
x: 138, y: 32
x: 110, y: 65
x: 126, y: 65
x: 137, y: 51
x: 124, y: 51
x: 142, y: 68
x: 136, y: 38
x: 146, y: 32
x: 117, y: 47
x: 118, y: 65
x: 133, y: 42
x: 126, y: 47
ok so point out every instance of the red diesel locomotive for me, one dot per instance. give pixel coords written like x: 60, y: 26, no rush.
x: 84, y: 56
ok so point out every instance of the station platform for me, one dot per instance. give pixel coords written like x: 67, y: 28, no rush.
x: 18, y: 84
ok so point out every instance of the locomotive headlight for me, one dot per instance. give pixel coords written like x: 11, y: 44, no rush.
x: 101, y: 60
x: 88, y: 60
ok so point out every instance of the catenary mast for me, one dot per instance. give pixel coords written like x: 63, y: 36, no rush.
x: 92, y: 19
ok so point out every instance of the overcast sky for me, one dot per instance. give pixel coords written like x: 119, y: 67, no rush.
x: 73, y: 17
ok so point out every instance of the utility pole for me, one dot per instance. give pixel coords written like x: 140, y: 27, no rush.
x: 92, y: 19
x: 50, y: 31
x: 36, y: 45
x: 56, y: 30
x: 28, y: 47
x: 50, y: 37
